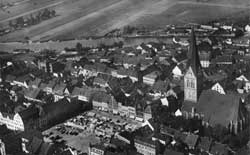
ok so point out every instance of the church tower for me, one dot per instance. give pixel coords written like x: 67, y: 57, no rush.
x: 193, y: 75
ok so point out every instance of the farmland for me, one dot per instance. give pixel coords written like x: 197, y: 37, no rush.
x: 77, y: 18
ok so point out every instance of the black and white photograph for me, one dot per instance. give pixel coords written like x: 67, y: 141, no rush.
x: 124, y: 77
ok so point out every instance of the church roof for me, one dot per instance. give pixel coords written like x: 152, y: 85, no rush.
x: 193, y: 56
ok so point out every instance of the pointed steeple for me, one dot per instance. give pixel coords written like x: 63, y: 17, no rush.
x: 193, y: 56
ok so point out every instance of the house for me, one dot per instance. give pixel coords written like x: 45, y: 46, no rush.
x: 35, y: 83
x: 160, y: 87
x: 217, y: 87
x: 48, y: 87
x: 1, y: 78
x: 100, y: 82
x: 123, y: 73
x: 147, y: 112
x: 172, y: 152
x: 2, y: 148
x: 178, y: 70
x: 101, y: 100
x: 96, y: 149
x: 59, y: 90
x: 191, y: 140
x: 22, y: 81
x: 31, y: 94
x: 10, y: 78
x: 204, y: 144
x: 150, y: 78
x: 145, y: 145
x: 126, y: 110
x: 12, y: 121
x: 83, y: 94
x: 246, y: 80
x: 223, y: 60
x: 205, y: 58
x: 219, y: 149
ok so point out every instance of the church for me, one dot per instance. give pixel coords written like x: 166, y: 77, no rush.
x: 211, y: 106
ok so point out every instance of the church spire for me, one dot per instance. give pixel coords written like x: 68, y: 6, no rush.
x: 193, y: 56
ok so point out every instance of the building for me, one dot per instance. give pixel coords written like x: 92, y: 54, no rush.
x: 59, y: 91
x: 12, y: 121
x: 96, y: 149
x: 82, y: 94
x: 226, y: 110
x: 2, y: 148
x: 145, y: 146
x: 217, y: 87
x: 193, y: 75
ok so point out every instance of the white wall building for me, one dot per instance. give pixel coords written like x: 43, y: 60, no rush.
x: 13, y: 122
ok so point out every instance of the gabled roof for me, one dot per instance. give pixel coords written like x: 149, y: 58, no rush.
x: 218, y: 108
x: 35, y: 145
x: 191, y: 140
x: 35, y: 82
x: 219, y: 149
x: 172, y: 152
x: 24, y: 78
x: 31, y: 92
x: 204, y: 143
x: 10, y: 78
x: 59, y: 88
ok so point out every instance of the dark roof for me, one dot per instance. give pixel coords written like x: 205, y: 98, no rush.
x: 31, y: 112
x: 218, y: 108
x: 191, y: 140
x: 59, y: 88
x: 31, y: 92
x: 35, y: 145
x: 45, y: 148
x: 204, y: 143
x: 193, y: 56
x: 172, y: 152
x: 219, y: 149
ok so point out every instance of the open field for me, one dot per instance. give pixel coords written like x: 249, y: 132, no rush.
x: 77, y: 18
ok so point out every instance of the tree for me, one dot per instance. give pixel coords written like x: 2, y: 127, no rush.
x: 79, y: 47
x: 20, y: 21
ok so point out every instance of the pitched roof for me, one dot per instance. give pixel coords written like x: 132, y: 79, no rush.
x: 191, y: 140
x: 31, y: 92
x: 30, y: 112
x: 204, y: 143
x: 172, y: 152
x: 35, y: 82
x: 218, y: 108
x: 10, y: 78
x: 59, y: 88
x: 219, y: 149
x: 83, y: 91
x: 35, y: 145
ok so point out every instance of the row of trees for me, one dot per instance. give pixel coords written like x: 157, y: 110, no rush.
x: 32, y: 19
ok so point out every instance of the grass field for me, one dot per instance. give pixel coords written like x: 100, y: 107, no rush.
x: 78, y: 18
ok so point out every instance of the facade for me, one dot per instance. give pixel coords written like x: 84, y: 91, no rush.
x: 2, y: 148
x: 13, y: 122
x: 145, y: 147
x: 217, y: 87
x: 96, y: 150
